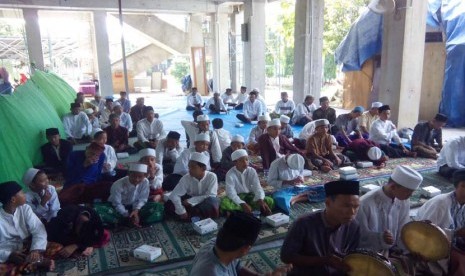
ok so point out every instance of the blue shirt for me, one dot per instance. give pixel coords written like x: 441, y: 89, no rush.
x: 76, y: 173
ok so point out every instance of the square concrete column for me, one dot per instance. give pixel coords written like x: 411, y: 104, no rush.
x: 254, y: 47
x: 34, y: 39
x: 103, y: 53
x: 308, y: 48
x: 221, y: 69
x: 402, y: 61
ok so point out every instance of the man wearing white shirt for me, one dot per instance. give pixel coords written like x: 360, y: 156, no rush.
x: 194, y: 100
x: 383, y: 132
x: 215, y: 104
x: 284, y: 106
x: 168, y: 150
x: 447, y: 211
x: 125, y: 118
x: 304, y: 111
x: 243, y: 189
x: 106, y: 112
x: 286, y: 171
x: 98, y: 102
x: 384, y: 211
x: 228, y: 98
x: 451, y: 157
x: 196, y: 192
x: 76, y: 124
x: 252, y: 109
x: 241, y: 98
x: 149, y: 130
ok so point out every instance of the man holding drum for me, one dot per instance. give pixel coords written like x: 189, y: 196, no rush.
x: 316, y: 242
x: 384, y: 211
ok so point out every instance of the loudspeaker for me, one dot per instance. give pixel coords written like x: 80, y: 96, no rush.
x: 382, y: 6
x: 245, y: 32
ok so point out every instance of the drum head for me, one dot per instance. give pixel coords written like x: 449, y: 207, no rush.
x: 362, y: 265
x: 425, y: 239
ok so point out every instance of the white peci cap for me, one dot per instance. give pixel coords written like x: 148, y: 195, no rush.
x: 202, y: 137
x: 137, y: 167
x: 295, y: 162
x: 321, y: 122
x: 284, y: 119
x: 29, y: 176
x: 407, y: 177
x: 89, y: 111
x: 147, y: 152
x: 238, y: 154
x: 237, y: 138
x: 274, y: 122
x: 376, y: 104
x: 374, y: 153
x: 200, y: 157
x: 203, y: 118
x: 94, y: 131
x: 264, y: 117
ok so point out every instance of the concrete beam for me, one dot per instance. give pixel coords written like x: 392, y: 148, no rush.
x: 183, y: 6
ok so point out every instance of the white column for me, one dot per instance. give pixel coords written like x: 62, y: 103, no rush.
x: 254, y: 47
x: 308, y: 49
x: 103, y: 53
x: 221, y: 70
x: 34, y: 39
x: 402, y: 62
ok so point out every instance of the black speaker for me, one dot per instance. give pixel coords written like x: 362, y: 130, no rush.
x: 245, y: 32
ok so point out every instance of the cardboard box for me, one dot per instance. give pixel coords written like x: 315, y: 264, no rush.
x: 147, y: 253
x: 364, y: 164
x: 368, y: 187
x: 349, y: 176
x: 430, y: 191
x: 205, y: 226
x: 347, y: 170
x: 277, y: 219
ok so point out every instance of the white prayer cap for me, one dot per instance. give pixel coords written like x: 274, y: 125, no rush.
x: 295, y: 162
x: 89, y: 111
x: 136, y: 167
x: 94, y: 131
x: 376, y: 104
x: 407, y: 177
x: 264, y: 117
x: 202, y: 137
x: 321, y: 122
x: 237, y: 138
x: 200, y: 157
x: 147, y: 152
x: 274, y: 122
x: 374, y: 153
x: 256, y: 90
x: 202, y: 118
x: 284, y: 119
x: 115, y: 104
x: 238, y: 154
x: 29, y: 176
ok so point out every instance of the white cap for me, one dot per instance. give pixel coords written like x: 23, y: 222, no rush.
x: 374, y: 153
x: 89, y: 111
x: 265, y: 117
x: 202, y: 137
x: 115, y: 104
x: 284, y: 119
x: 256, y: 90
x: 321, y: 122
x: 202, y: 118
x: 29, y: 175
x: 295, y: 162
x: 94, y: 131
x: 147, y: 152
x: 376, y: 104
x: 274, y: 122
x: 200, y: 157
x: 407, y: 177
x: 238, y: 154
x: 237, y: 138
x: 136, y: 167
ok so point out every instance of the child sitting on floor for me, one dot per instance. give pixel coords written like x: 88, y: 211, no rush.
x: 224, y: 136
x: 128, y: 198
x: 243, y: 189
x: 42, y: 197
x: 195, y: 194
x: 17, y: 223
x: 154, y: 174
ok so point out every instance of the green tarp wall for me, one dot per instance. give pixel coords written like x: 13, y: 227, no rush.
x: 33, y: 107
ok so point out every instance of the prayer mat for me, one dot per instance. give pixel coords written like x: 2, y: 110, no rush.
x: 178, y: 241
x: 261, y: 262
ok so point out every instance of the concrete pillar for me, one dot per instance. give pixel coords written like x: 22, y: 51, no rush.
x: 308, y: 49
x: 34, y: 39
x: 232, y: 52
x: 254, y: 47
x: 103, y: 53
x: 402, y: 61
x: 221, y: 71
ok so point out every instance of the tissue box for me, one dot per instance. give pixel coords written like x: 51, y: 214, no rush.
x: 147, y: 253
x: 205, y: 226
x: 364, y: 164
x: 277, y: 219
x: 347, y: 170
x: 223, y: 112
x: 430, y: 191
x: 368, y: 187
x: 122, y: 155
x: 349, y: 176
